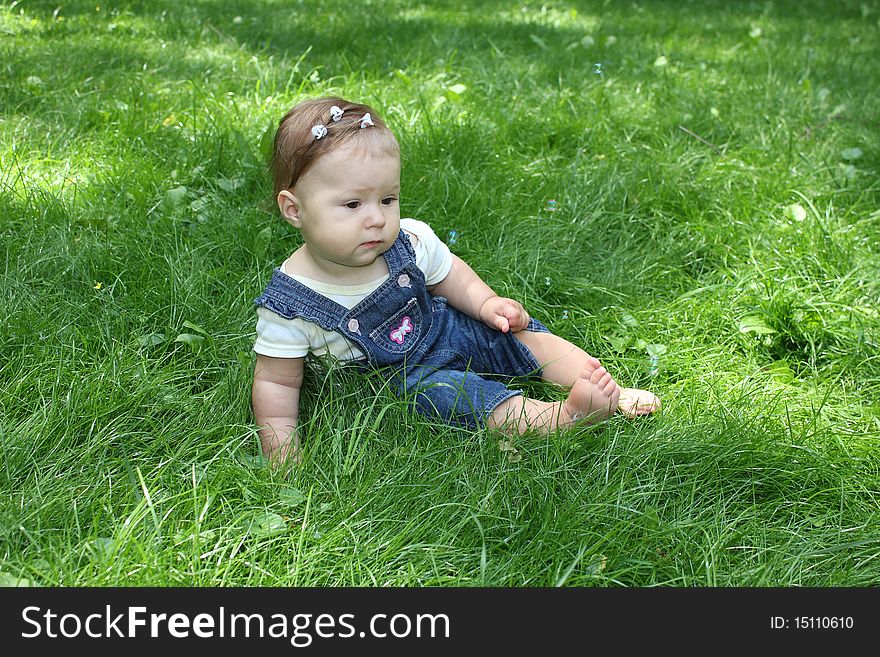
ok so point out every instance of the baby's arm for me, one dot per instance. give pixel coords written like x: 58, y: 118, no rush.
x: 467, y: 292
x: 275, y: 396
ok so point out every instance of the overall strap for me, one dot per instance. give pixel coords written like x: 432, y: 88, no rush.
x: 287, y: 297
x: 400, y: 254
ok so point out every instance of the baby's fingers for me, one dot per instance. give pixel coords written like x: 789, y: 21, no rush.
x: 516, y: 315
x: 502, y: 323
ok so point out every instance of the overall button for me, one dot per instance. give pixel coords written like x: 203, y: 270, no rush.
x: 403, y: 280
x: 354, y: 327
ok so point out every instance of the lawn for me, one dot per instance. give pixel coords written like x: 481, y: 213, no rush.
x: 689, y: 190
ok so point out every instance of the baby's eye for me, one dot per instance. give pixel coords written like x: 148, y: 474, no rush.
x: 353, y: 205
x: 389, y: 200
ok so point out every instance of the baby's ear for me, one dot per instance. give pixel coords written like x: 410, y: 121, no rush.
x: 289, y: 207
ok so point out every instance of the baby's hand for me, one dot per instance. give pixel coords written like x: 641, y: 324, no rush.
x: 504, y: 314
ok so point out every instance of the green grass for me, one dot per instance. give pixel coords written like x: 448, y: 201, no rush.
x: 710, y: 209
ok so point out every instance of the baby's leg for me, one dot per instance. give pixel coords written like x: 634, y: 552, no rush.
x: 563, y: 363
x: 593, y: 397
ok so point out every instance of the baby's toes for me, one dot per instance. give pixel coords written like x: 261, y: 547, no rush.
x: 614, y: 397
x: 634, y: 402
x: 609, y: 385
x: 593, y: 362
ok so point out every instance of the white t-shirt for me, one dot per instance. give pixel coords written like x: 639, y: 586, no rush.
x: 294, y: 338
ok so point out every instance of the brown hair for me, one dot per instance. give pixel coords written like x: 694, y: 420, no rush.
x: 296, y: 148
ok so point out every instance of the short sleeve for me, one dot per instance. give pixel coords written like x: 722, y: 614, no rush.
x: 279, y: 337
x: 433, y: 257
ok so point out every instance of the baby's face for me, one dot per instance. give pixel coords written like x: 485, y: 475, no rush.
x: 348, y: 208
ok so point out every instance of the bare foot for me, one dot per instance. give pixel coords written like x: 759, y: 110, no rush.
x: 594, y: 396
x: 634, y: 402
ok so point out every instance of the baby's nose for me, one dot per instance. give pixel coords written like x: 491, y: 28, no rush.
x: 376, y: 217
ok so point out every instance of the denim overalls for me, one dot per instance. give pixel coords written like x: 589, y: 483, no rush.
x: 430, y: 350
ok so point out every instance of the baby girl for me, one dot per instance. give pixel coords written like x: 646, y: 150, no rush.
x: 386, y: 292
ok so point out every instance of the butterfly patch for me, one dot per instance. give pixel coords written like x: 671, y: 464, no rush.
x: 398, y: 334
